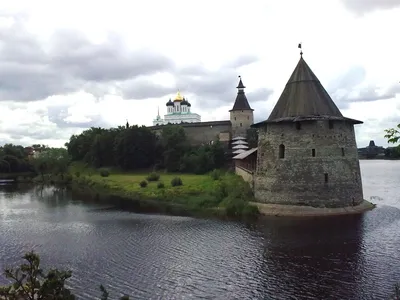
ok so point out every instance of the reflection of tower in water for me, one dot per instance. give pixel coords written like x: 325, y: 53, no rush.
x: 313, y: 258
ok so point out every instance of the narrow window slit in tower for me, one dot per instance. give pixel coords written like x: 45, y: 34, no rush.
x: 326, y: 177
x: 330, y: 124
x: 298, y: 125
x: 313, y: 152
x: 342, y: 151
x: 281, y: 151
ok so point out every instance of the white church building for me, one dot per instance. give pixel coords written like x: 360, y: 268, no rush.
x: 178, y: 111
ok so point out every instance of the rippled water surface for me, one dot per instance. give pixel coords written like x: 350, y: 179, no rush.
x: 165, y: 257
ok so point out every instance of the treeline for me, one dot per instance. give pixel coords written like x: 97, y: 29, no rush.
x: 133, y: 148
x: 15, y: 159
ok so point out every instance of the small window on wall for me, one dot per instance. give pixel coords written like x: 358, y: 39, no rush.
x: 342, y: 151
x: 235, y: 118
x: 281, y: 151
x: 330, y: 124
x: 240, y: 124
x: 313, y: 152
x: 326, y: 177
x: 298, y: 125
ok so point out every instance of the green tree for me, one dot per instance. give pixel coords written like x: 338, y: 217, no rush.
x: 52, y: 161
x: 30, y: 282
x: 393, y: 134
x: 135, y: 147
x: 175, y: 145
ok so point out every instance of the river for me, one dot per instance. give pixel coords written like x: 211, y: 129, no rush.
x: 169, y: 257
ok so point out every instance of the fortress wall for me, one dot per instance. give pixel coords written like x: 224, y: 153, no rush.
x: 204, y: 132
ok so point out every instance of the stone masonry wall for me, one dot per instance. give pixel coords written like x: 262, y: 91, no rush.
x: 299, y: 178
x: 204, y: 132
x: 241, y: 121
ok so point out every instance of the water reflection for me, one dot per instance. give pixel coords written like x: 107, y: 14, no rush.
x: 313, y: 258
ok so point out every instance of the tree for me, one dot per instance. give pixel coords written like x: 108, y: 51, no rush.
x: 175, y: 144
x: 14, y: 158
x: 393, y: 134
x: 30, y: 282
x: 52, y: 160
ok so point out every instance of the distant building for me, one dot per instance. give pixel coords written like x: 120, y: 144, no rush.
x: 178, y: 111
x: 307, y: 153
x: 371, y: 151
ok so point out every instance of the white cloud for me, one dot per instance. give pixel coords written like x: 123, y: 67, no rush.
x: 336, y: 43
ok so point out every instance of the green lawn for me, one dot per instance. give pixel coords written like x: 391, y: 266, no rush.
x: 199, y: 192
x: 129, y: 183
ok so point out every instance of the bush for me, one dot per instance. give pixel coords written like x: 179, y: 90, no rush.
x: 104, y: 173
x: 46, y: 285
x: 216, y: 174
x: 153, y: 176
x: 143, y: 183
x: 160, y: 185
x: 177, y: 181
x: 77, y: 173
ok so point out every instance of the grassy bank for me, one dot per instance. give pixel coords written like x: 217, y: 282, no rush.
x: 217, y: 193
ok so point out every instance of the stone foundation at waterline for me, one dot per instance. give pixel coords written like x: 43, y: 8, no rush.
x: 279, y: 210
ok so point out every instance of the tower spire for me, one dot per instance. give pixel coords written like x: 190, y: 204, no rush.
x: 301, y: 50
x: 241, y: 102
x: 158, y: 111
x: 240, y: 84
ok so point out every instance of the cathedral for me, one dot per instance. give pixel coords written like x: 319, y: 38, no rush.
x: 178, y: 111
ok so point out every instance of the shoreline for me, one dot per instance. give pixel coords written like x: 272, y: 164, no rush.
x: 279, y: 210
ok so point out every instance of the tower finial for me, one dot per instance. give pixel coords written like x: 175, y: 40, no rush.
x: 158, y: 111
x: 240, y: 85
x: 301, y: 50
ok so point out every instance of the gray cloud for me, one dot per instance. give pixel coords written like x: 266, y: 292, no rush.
x: 70, y: 63
x: 368, y: 94
x: 242, y: 61
x: 58, y: 114
x: 365, y: 6
x: 345, y: 89
x: 352, y: 77
x: 210, y: 87
x: 144, y: 87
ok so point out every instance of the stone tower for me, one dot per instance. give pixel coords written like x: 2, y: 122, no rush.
x: 307, y: 153
x: 241, y: 114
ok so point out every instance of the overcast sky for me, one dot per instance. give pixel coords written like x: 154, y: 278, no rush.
x: 69, y: 65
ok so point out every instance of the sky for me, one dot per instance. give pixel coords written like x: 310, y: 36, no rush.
x: 67, y: 65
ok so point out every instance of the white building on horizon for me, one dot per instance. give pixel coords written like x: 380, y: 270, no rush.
x: 178, y: 111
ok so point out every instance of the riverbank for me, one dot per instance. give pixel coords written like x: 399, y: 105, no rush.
x: 308, y: 211
x: 216, y: 194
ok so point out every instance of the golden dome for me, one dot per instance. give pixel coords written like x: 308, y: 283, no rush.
x: 178, y: 96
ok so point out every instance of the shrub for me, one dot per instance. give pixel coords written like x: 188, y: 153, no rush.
x: 177, y: 181
x: 250, y: 211
x: 46, y: 285
x: 153, y: 176
x: 216, y: 174
x: 77, y: 173
x: 104, y: 173
x: 143, y: 183
x: 160, y: 185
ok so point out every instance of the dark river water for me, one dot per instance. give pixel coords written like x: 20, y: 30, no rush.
x: 167, y: 257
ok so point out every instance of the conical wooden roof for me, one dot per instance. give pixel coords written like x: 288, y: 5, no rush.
x: 241, y: 102
x: 304, y: 98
